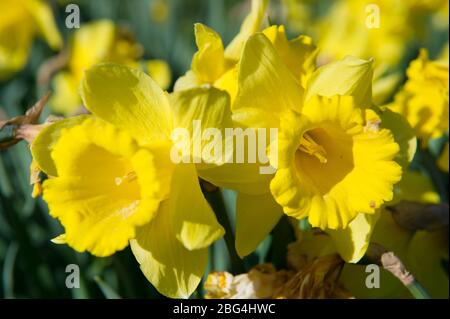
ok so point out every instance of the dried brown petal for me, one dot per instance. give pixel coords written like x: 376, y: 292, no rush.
x: 417, y: 216
x: 11, y: 127
x: 316, y: 279
x: 394, y: 265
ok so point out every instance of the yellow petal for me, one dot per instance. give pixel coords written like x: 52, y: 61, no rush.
x: 298, y: 54
x: 229, y: 82
x: 43, y: 17
x: 43, y: 144
x: 105, y: 186
x: 61, y: 239
x: 208, y: 63
x: 210, y: 109
x: 159, y: 70
x: 91, y: 45
x: 266, y: 86
x: 251, y: 24
x: 353, y: 241
x: 256, y: 217
x: 168, y: 265
x: 349, y: 76
x: 194, y: 222
x: 66, y: 99
x: 403, y: 133
x: 242, y: 177
x: 129, y: 99
x: 187, y: 81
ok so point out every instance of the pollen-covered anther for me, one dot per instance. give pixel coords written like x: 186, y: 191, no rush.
x: 309, y: 146
x: 372, y: 126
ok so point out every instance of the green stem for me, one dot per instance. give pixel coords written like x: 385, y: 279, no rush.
x: 216, y: 201
x: 282, y: 235
x: 304, y: 225
x: 418, y: 291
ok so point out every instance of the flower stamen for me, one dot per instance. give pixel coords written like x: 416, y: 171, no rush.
x: 129, y: 177
x: 309, y: 146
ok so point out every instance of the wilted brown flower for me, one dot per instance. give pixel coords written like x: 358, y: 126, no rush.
x: 315, y: 279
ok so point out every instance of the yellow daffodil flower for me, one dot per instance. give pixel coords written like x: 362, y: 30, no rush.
x: 20, y: 22
x: 424, y: 98
x: 329, y: 145
x: 112, y: 180
x: 213, y: 64
x: 97, y: 42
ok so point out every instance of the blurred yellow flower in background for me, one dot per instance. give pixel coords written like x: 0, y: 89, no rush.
x: 96, y: 42
x: 379, y: 29
x: 348, y: 30
x: 20, y: 22
x: 159, y: 10
x: 423, y: 100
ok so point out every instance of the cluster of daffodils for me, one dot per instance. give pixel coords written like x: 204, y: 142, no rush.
x: 340, y: 161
